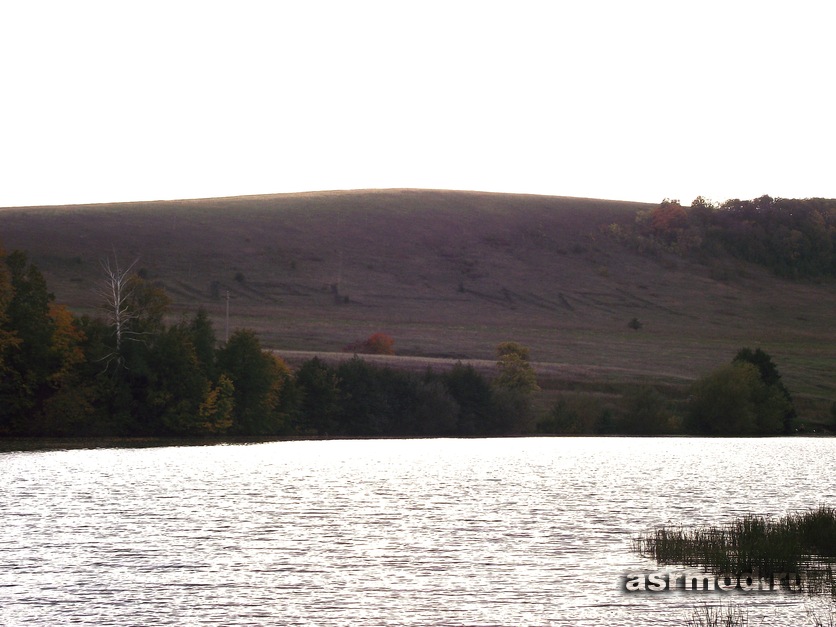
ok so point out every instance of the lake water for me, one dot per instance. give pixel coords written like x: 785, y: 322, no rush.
x: 519, y: 531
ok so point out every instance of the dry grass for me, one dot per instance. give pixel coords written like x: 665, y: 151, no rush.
x: 448, y: 275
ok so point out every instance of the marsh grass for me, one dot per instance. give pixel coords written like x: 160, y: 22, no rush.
x: 822, y: 613
x: 718, y: 616
x: 819, y: 613
x: 803, y: 543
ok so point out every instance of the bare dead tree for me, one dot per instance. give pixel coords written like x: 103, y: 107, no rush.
x: 116, y: 291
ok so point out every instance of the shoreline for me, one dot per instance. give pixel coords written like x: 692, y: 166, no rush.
x: 51, y: 443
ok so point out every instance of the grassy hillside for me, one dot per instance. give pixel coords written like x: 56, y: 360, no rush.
x: 447, y: 274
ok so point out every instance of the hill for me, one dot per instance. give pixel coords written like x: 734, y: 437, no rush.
x: 446, y: 274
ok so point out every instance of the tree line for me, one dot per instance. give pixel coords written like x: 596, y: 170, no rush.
x: 128, y: 373
x: 744, y: 397
x: 794, y: 238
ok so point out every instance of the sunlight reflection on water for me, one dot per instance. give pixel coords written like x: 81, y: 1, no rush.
x: 523, y: 531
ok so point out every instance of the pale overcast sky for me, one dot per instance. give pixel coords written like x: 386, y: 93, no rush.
x: 633, y: 100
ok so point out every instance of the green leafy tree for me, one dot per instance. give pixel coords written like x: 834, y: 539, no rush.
x: 732, y: 400
x: 204, y: 342
x: 109, y: 391
x: 574, y: 414
x: 262, y: 384
x: 215, y: 412
x: 42, y: 391
x: 177, y: 387
x: 8, y: 337
x: 364, y: 403
x: 148, y: 304
x: 770, y: 377
x: 68, y: 408
x: 29, y: 357
x: 319, y: 390
x: 474, y: 396
x: 515, y: 373
x: 9, y: 345
x: 646, y: 412
x: 415, y: 405
x: 434, y: 411
x: 512, y: 390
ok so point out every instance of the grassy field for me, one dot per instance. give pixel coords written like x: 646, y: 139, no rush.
x: 448, y: 275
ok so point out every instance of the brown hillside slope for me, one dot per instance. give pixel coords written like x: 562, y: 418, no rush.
x: 444, y: 273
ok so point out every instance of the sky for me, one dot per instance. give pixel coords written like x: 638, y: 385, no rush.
x: 639, y: 100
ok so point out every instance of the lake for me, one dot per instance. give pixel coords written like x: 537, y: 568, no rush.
x: 506, y: 531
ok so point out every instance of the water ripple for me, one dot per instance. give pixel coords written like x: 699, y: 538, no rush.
x: 394, y: 532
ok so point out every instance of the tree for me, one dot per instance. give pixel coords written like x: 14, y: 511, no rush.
x: 262, y: 385
x: 647, y: 413
x: 6, y: 289
x: 29, y: 358
x: 433, y: 411
x: 515, y: 373
x: 204, y: 342
x: 116, y: 292
x: 700, y: 212
x: 215, y: 412
x: 767, y: 370
x: 147, y: 304
x: 69, y: 406
x: 42, y: 390
x: 176, y: 387
x: 573, y: 414
x: 133, y: 306
x: 732, y: 400
x: 769, y: 376
x: 364, y: 403
x: 319, y: 389
x: 9, y: 341
x: 474, y: 396
x: 665, y: 221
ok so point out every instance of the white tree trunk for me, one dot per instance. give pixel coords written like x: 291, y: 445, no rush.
x: 116, y: 293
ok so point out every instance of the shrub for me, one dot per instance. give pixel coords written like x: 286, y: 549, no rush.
x: 574, y: 414
x: 375, y: 344
x: 647, y: 412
